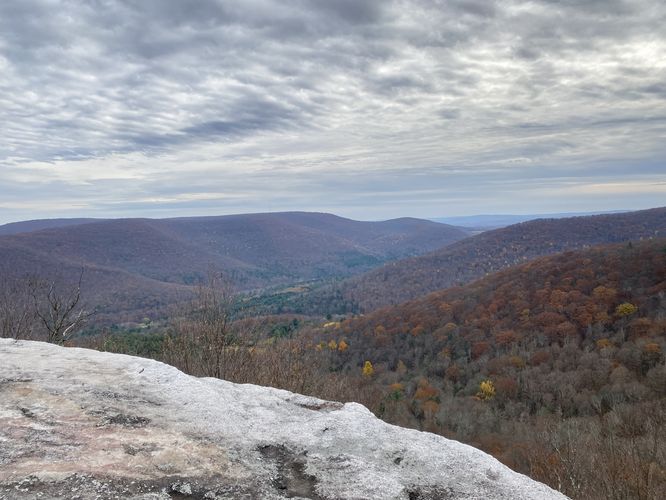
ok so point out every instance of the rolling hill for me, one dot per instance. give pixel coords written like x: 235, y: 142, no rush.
x: 149, y: 261
x: 491, y: 251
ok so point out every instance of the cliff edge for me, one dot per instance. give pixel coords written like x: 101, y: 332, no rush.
x: 76, y: 423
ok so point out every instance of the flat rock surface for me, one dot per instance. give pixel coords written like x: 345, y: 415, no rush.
x: 76, y: 423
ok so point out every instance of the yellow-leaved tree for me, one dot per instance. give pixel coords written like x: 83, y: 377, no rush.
x: 368, y: 370
x: 625, y: 309
x: 486, y: 390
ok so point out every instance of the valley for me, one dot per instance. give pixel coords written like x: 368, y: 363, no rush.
x: 136, y: 267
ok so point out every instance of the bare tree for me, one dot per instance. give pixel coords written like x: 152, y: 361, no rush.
x: 17, y: 316
x: 57, y: 307
x: 203, y: 339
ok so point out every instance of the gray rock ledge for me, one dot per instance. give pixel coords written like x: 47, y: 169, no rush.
x: 76, y: 423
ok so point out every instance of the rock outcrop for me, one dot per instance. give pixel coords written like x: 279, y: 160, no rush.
x: 76, y: 423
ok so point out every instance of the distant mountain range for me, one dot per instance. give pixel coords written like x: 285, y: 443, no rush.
x: 491, y: 251
x: 494, y: 221
x: 144, y: 262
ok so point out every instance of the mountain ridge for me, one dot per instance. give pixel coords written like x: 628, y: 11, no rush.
x: 495, y: 221
x: 490, y: 251
x: 29, y: 226
x: 251, y: 250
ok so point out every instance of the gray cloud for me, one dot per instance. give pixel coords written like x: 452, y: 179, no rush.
x: 161, y: 106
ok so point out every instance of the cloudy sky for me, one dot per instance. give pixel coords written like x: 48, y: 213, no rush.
x: 368, y: 109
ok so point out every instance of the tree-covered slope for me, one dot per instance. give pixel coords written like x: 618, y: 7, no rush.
x: 131, y: 263
x: 491, y: 251
x: 557, y: 366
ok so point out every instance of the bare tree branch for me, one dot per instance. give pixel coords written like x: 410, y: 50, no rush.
x: 16, y: 313
x: 58, y: 308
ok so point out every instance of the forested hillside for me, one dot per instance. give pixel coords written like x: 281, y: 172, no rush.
x: 550, y: 365
x: 139, y: 264
x: 488, y: 252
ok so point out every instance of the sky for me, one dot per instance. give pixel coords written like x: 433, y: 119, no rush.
x: 367, y: 109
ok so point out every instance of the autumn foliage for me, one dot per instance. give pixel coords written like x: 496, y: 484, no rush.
x: 575, y: 339
x: 556, y: 367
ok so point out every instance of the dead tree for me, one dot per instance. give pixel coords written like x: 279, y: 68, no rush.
x: 57, y: 307
x: 205, y: 340
x: 16, y: 312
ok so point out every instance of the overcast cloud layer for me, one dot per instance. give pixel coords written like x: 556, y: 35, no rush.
x: 370, y: 109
